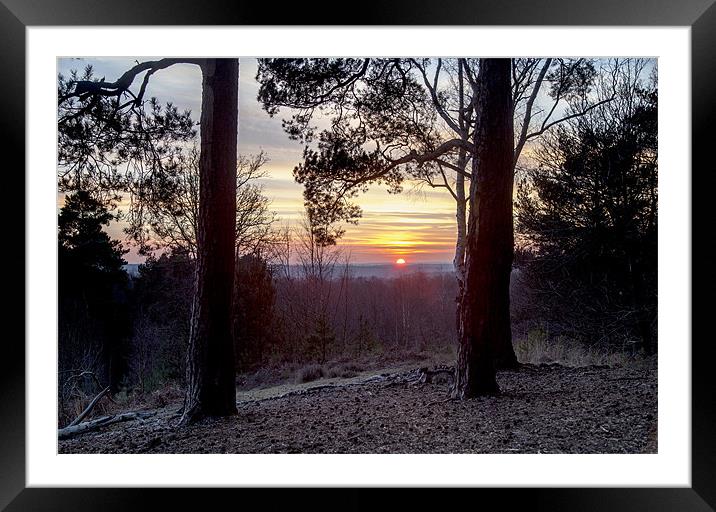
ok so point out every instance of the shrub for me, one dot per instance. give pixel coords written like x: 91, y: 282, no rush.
x: 539, y: 348
x: 344, y: 370
x: 310, y: 373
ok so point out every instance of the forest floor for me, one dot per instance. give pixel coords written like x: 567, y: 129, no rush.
x: 541, y: 409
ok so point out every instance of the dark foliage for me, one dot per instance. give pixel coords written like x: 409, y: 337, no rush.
x: 162, y: 311
x: 94, y: 321
x: 254, y: 298
x: 393, y: 119
x: 110, y: 142
x: 381, y: 126
x: 588, y: 211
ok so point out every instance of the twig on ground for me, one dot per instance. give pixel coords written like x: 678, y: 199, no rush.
x: 448, y: 399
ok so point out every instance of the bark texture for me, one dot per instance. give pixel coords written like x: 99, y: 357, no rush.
x: 461, y: 219
x: 210, y: 371
x: 484, y: 328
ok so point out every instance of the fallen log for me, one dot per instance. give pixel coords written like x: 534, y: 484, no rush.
x: 88, y: 426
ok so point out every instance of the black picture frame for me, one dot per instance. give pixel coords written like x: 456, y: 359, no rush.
x: 700, y: 15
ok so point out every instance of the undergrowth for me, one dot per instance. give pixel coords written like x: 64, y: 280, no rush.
x: 538, y: 347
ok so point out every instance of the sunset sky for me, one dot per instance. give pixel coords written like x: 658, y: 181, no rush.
x: 417, y: 225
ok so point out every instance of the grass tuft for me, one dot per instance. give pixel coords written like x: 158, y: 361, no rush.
x: 539, y: 348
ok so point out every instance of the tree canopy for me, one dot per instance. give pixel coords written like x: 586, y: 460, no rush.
x: 110, y: 138
x: 588, y: 208
x: 384, y: 121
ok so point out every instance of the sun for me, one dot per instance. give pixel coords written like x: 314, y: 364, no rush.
x: 400, y: 261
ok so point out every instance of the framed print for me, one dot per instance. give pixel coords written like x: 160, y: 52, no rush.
x: 160, y: 352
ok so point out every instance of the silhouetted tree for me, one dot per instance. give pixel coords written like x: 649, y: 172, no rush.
x: 162, y: 296
x: 484, y: 320
x: 588, y: 209
x: 254, y: 300
x: 211, y: 375
x: 92, y: 291
x: 165, y: 210
x: 104, y: 125
x: 111, y: 139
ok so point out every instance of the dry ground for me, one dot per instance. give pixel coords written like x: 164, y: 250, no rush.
x: 542, y: 409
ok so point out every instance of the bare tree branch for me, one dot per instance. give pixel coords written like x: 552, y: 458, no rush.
x: 544, y: 128
x: 122, y: 84
x: 528, y: 110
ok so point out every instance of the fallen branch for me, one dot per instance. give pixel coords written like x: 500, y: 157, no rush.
x: 88, y: 426
x: 439, y: 375
x: 89, y: 408
x: 78, y: 374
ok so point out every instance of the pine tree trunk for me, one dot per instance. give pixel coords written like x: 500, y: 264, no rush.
x: 210, y: 371
x: 484, y: 328
x: 505, y: 357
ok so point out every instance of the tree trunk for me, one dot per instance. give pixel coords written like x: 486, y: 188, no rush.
x: 458, y: 261
x: 505, y: 357
x: 461, y: 220
x: 210, y: 372
x: 484, y: 307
